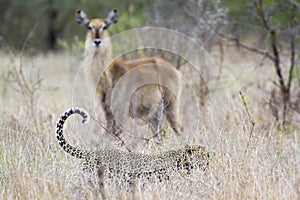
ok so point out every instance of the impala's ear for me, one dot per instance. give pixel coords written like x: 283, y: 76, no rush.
x: 111, y: 18
x: 82, y: 19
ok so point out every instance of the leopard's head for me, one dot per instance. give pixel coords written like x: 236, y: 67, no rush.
x: 195, y: 156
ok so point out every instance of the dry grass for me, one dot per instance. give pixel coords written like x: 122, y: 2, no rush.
x: 34, y: 167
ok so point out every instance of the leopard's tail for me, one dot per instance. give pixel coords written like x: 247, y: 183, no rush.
x: 78, y: 153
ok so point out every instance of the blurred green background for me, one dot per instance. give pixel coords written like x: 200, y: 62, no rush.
x: 47, y: 25
x: 44, y: 22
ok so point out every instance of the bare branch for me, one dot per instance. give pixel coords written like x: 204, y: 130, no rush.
x: 251, y: 119
x: 292, y: 49
x: 256, y: 50
x: 292, y: 66
x: 273, y: 36
x: 260, y: 11
x: 247, y: 47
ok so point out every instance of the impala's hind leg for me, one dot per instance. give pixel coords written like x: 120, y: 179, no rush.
x: 155, y: 126
x: 157, y: 121
x: 173, y: 116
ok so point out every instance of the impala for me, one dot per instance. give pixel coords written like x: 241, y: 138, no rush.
x: 147, y: 103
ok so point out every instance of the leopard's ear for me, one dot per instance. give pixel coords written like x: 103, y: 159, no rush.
x: 187, y: 146
x: 188, y: 149
x: 192, y: 148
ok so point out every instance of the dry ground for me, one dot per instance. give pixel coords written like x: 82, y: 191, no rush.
x: 34, y: 167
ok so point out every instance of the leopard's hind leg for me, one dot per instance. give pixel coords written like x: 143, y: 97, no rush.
x: 100, y: 177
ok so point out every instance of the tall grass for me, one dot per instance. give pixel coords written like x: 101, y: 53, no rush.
x: 34, y: 167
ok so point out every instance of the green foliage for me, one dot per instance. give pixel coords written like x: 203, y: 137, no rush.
x: 244, y: 20
x: 53, y: 19
x: 76, y: 46
x: 240, y: 15
x: 296, y: 73
x: 283, y: 14
x: 63, y: 43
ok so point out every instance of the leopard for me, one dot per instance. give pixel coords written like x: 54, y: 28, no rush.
x: 127, y: 166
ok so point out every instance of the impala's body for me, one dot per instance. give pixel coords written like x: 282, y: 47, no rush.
x: 98, y: 55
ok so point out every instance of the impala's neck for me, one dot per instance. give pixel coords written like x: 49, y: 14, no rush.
x: 97, y: 59
x: 98, y: 48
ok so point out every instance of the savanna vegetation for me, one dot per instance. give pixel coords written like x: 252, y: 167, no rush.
x: 246, y: 112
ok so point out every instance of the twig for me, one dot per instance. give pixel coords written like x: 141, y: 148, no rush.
x: 251, y: 119
x: 26, y: 86
x: 114, y: 135
x: 131, y: 134
x: 124, y: 131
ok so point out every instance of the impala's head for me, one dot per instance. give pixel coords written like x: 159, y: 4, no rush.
x: 97, y: 27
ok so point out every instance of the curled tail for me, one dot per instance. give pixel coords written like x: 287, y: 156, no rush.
x: 78, y: 153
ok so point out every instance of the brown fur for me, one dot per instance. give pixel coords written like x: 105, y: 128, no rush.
x: 141, y: 101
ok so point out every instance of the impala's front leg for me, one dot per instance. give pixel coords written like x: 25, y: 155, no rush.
x: 111, y: 124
